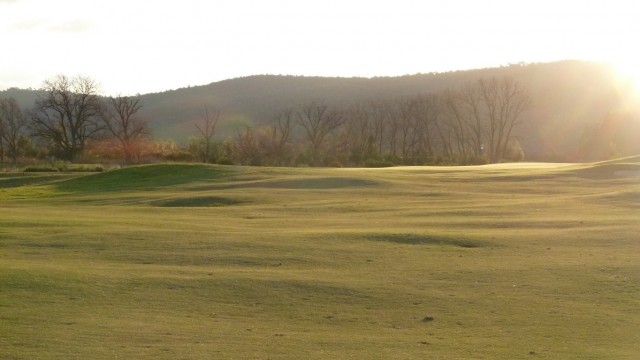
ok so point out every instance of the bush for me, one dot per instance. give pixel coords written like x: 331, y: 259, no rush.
x: 178, y: 156
x: 514, y: 152
x: 224, y: 161
x: 475, y: 160
x: 41, y: 169
x: 83, y: 168
x: 64, y: 168
x: 375, y: 163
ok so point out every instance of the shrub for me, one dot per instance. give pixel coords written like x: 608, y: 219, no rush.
x: 64, y: 168
x: 41, y: 169
x: 474, y: 160
x: 178, y: 156
x: 514, y: 152
x: 224, y: 161
x: 84, y: 168
x: 375, y: 163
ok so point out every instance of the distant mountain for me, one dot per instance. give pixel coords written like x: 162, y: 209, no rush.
x: 25, y: 97
x: 580, y: 109
x: 253, y: 100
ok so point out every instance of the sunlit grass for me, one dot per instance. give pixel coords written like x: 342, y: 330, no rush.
x: 194, y: 261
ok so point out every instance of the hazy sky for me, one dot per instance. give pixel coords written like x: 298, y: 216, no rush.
x: 132, y: 46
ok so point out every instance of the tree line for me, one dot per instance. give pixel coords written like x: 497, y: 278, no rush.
x: 71, y: 117
x: 472, y: 124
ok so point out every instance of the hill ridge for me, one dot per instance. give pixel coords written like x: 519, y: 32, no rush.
x: 570, y: 99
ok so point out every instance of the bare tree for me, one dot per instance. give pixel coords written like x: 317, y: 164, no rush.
x: 394, y: 123
x: 360, y: 133
x: 318, y: 122
x: 505, y: 101
x: 125, y: 126
x: 280, y: 136
x: 408, y: 131
x: 426, y: 113
x: 441, y: 138
x: 2, y: 130
x: 454, y: 129
x: 247, y: 147
x: 207, y: 130
x: 474, y: 117
x: 69, y: 115
x: 480, y: 117
x: 379, y: 123
x: 12, y: 122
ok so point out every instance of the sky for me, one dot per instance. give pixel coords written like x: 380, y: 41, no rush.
x: 141, y: 46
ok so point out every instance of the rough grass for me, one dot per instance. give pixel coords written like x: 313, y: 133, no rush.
x: 192, y: 261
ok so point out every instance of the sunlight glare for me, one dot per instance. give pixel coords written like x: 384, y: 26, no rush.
x: 628, y: 72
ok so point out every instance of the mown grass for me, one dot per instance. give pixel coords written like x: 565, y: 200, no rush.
x: 193, y: 261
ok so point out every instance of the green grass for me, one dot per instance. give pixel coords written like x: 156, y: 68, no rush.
x: 512, y: 261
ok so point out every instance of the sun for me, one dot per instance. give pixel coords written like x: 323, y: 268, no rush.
x: 628, y: 75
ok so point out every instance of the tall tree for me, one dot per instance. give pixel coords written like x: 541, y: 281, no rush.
x: 505, y: 101
x: 474, y: 116
x: 2, y: 130
x: 247, y: 147
x: 12, y: 122
x: 318, y: 121
x: 426, y: 112
x: 125, y: 126
x: 207, y: 130
x: 280, y: 135
x: 407, y: 126
x: 70, y: 114
x: 453, y: 130
x: 359, y: 133
x: 380, y: 124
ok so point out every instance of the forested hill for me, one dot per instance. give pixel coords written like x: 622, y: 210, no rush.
x: 253, y: 100
x: 571, y: 102
x: 579, y: 109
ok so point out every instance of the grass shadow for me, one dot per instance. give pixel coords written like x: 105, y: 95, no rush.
x: 423, y: 239
x: 197, y: 201
x: 323, y: 183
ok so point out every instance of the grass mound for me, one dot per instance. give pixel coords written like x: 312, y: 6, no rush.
x: 624, y: 198
x: 625, y: 160
x: 11, y: 180
x: 610, y: 170
x: 144, y: 177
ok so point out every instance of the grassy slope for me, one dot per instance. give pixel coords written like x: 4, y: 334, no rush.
x: 190, y: 261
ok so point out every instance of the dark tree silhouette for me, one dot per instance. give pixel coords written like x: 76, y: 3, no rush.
x: 12, y: 122
x: 280, y: 135
x: 318, y: 121
x: 125, y: 126
x: 70, y: 114
x: 505, y: 101
x: 207, y: 130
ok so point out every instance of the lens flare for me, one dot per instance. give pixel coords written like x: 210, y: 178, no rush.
x: 628, y: 74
